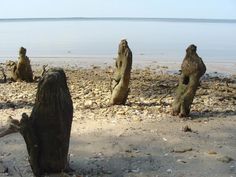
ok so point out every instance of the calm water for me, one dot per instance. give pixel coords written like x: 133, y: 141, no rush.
x: 159, y: 40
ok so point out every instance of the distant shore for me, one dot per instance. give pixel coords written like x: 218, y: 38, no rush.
x: 153, y: 19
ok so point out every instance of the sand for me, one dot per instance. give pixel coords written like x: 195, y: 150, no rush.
x: 140, y: 138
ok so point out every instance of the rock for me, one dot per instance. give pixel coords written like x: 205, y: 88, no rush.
x: 181, y: 161
x: 182, y: 150
x: 187, y: 129
x: 120, y: 112
x: 225, y: 159
x: 169, y: 171
x: 88, y: 103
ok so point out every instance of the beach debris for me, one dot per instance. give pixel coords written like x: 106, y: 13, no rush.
x: 10, y: 63
x: 164, y: 139
x: 181, y: 161
x: 44, y: 70
x: 88, y: 104
x: 12, y: 126
x: 212, y: 152
x: 21, y: 70
x: 186, y: 128
x: 47, y: 130
x: 120, y: 81
x: 193, y: 69
x: 182, y: 150
x: 169, y: 171
x: 168, y: 93
x: 225, y: 159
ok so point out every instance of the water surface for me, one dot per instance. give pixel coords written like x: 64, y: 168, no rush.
x: 156, y: 39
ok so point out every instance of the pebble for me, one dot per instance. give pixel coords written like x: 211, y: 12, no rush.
x: 182, y: 150
x: 225, y: 159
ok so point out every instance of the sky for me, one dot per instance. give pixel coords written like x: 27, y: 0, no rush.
x: 216, y: 9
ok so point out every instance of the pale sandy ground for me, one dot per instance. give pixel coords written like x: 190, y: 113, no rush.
x: 139, y: 139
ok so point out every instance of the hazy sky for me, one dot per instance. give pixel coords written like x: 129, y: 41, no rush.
x: 119, y: 8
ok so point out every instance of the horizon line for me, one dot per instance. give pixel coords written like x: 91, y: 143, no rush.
x: 206, y: 20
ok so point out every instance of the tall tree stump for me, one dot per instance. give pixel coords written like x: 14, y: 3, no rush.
x: 121, y: 79
x: 47, y: 130
x: 193, y: 69
x: 21, y: 70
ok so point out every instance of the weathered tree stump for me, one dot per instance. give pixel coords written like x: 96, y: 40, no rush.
x: 3, y: 75
x: 193, y: 69
x: 120, y: 81
x: 21, y: 70
x: 47, y: 130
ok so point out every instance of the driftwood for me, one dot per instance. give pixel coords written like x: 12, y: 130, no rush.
x: 21, y: 70
x: 44, y: 70
x: 12, y: 126
x: 120, y: 81
x: 193, y: 69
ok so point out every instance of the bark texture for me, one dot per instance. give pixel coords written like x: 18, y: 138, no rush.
x: 120, y: 81
x: 47, y: 130
x: 21, y: 70
x: 193, y: 69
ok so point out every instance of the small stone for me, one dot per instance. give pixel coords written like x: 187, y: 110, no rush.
x: 120, y: 112
x: 88, y: 103
x: 212, y: 152
x: 181, y: 160
x: 225, y: 159
x: 164, y: 139
x: 182, y: 150
x: 187, y: 129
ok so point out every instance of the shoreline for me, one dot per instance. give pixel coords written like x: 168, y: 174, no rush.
x: 214, y: 68
x: 221, y: 69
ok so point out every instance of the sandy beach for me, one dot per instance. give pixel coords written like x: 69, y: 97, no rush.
x: 140, y: 139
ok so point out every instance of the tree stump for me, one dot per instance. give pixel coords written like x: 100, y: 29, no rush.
x: 4, y: 80
x: 21, y: 70
x: 47, y: 130
x: 193, y: 69
x: 120, y: 81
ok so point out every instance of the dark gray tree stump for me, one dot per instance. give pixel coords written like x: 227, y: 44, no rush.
x: 47, y: 130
